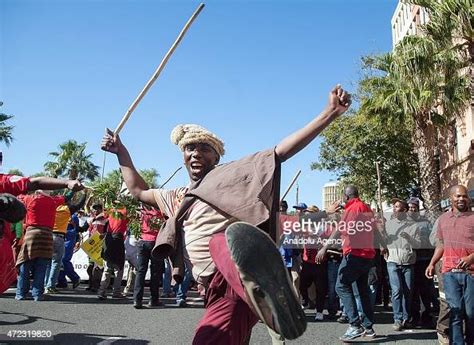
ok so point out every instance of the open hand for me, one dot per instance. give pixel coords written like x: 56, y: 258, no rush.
x: 465, y: 262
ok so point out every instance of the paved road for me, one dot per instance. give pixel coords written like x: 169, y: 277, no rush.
x: 76, y: 317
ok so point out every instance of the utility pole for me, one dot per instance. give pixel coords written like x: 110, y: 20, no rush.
x: 297, y: 193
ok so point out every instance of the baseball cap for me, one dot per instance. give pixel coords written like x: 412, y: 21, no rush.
x: 301, y: 206
x: 414, y: 201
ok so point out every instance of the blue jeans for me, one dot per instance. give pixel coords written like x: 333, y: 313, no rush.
x: 167, y: 277
x: 333, y: 267
x: 355, y: 269
x: 68, y: 267
x: 38, y: 266
x: 372, y: 290
x: 54, y: 265
x: 181, y: 290
x: 144, y: 256
x: 459, y: 290
x: 401, y: 283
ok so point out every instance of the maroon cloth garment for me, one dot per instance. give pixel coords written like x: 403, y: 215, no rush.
x: 228, y: 318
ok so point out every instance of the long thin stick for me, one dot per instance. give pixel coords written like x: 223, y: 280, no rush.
x: 291, y: 184
x: 379, y: 188
x: 103, y: 166
x: 158, y: 70
x: 169, y: 178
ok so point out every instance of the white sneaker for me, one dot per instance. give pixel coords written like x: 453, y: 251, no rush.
x: 319, y: 317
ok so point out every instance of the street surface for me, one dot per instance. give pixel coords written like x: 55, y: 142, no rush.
x: 77, y: 317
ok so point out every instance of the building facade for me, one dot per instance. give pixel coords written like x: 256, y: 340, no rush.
x: 331, y: 193
x: 456, y: 140
x: 407, y: 20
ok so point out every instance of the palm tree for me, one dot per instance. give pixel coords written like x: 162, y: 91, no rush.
x: 451, y: 26
x: 5, y: 131
x: 410, y: 85
x: 72, y: 162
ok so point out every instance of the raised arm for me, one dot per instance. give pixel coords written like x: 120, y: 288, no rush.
x: 135, y: 183
x: 339, y: 102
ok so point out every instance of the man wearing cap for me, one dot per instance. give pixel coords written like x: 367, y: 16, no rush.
x: 402, y: 239
x: 300, y: 208
x: 245, y: 190
x: 423, y: 288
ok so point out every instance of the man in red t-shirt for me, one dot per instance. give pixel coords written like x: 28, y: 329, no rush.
x: 113, y: 253
x: 151, y: 220
x: 17, y: 185
x: 455, y: 233
x: 37, y: 247
x: 356, y: 230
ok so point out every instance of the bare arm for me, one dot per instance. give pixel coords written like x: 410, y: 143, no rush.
x: 51, y: 183
x: 438, y: 254
x: 135, y: 183
x: 339, y: 102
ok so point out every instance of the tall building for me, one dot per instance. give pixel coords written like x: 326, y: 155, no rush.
x: 455, y: 141
x: 331, y: 193
x: 407, y: 20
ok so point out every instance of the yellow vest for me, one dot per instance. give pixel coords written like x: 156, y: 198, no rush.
x: 63, y: 215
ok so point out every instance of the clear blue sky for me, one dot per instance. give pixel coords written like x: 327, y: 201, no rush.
x: 250, y: 71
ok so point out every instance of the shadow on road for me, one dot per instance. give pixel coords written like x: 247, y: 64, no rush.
x: 99, y: 339
x: 27, y: 319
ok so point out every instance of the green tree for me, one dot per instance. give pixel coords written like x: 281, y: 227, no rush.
x: 111, y: 192
x: 150, y: 176
x: 407, y: 87
x: 451, y: 27
x: 72, y: 162
x: 353, y: 143
x: 16, y: 172
x: 5, y: 130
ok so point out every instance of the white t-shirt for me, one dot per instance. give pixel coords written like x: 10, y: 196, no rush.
x: 202, y: 221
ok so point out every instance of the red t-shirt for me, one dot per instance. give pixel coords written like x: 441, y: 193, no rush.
x: 286, y: 224
x: 149, y: 220
x: 13, y: 184
x: 357, y: 229
x: 456, y: 230
x: 118, y: 225
x: 41, y: 209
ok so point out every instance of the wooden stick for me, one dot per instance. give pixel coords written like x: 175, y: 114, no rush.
x: 291, y: 184
x: 379, y: 189
x: 158, y: 70
x: 169, y: 178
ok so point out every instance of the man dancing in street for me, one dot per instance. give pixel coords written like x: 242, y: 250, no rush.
x: 239, y: 285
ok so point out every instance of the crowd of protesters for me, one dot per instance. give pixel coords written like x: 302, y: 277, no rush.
x: 346, y: 278
x: 398, y: 259
x: 351, y: 276
x: 345, y: 251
